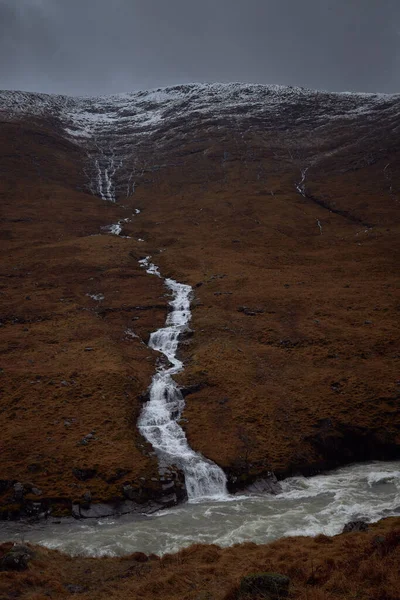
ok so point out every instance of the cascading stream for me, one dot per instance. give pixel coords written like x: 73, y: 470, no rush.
x: 158, y: 422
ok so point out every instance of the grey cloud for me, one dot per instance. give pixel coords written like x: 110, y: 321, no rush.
x: 98, y: 46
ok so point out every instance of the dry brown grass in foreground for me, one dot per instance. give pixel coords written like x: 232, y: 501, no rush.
x: 355, y: 565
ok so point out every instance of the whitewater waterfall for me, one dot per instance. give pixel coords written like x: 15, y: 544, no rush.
x: 158, y: 422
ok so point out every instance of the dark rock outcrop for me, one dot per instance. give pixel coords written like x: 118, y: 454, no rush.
x: 268, y: 484
x: 17, y: 559
x: 84, y: 474
x: 264, y: 585
x: 354, y: 526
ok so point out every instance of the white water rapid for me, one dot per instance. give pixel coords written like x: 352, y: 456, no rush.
x: 158, y: 422
x: 306, y: 506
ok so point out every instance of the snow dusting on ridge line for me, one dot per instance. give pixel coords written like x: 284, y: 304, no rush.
x: 147, y: 108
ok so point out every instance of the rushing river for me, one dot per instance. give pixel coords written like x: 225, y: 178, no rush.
x: 307, y: 506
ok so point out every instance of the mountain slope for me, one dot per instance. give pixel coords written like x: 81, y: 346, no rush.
x: 280, y: 205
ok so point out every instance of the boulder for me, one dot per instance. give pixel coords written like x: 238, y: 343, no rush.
x: 18, y: 492
x: 130, y: 492
x: 269, y: 485
x: 16, y: 559
x: 355, y: 526
x: 94, y: 511
x: 87, y: 500
x: 103, y: 510
x: 169, y: 500
x: 84, y: 474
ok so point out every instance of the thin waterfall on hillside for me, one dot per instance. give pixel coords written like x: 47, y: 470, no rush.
x: 158, y: 421
x: 102, y: 166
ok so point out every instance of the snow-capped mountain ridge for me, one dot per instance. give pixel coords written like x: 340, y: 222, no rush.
x: 124, y: 134
x: 201, y: 97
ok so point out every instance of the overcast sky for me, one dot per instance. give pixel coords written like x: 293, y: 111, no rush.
x: 106, y: 46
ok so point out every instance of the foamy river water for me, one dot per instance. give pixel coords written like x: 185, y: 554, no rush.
x: 307, y: 506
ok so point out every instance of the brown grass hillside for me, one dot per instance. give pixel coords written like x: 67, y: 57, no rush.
x: 294, y: 361
x: 355, y: 565
x: 68, y: 369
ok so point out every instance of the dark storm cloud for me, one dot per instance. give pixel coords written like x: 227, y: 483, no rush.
x: 106, y: 46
